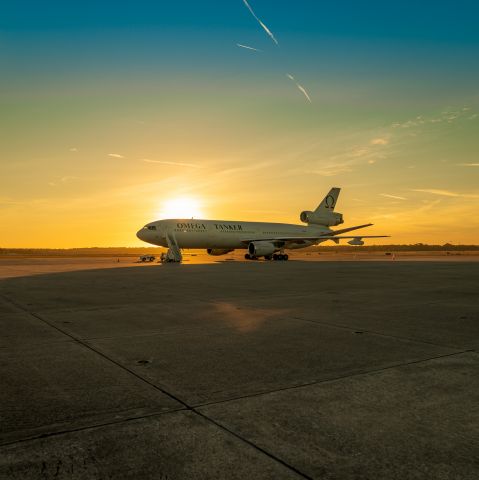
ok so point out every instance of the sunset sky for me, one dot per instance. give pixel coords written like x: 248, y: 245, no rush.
x: 115, y: 114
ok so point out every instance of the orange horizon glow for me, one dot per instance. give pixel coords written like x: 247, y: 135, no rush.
x: 107, y: 125
x: 406, y: 222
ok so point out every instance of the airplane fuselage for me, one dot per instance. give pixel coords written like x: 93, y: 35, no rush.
x: 260, y: 239
x: 224, y: 234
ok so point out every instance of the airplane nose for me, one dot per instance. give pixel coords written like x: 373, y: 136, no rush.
x: 139, y: 234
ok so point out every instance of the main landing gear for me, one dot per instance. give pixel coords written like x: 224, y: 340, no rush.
x: 275, y: 256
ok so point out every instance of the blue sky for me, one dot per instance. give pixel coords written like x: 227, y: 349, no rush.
x: 425, y: 20
x: 394, y: 95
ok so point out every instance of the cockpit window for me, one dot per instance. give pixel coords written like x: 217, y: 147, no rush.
x: 151, y: 227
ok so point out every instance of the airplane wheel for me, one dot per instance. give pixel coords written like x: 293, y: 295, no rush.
x: 246, y: 256
x: 268, y: 257
x: 285, y: 256
x: 275, y: 256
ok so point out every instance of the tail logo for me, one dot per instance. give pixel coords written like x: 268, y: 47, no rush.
x: 329, y: 201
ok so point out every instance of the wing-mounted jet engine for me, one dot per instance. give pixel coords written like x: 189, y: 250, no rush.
x: 324, y: 214
x: 218, y: 251
x: 259, y: 249
x: 356, y: 241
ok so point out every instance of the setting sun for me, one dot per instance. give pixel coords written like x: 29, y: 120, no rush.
x: 184, y: 207
x: 95, y: 143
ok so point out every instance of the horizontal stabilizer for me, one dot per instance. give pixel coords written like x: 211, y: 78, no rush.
x: 350, y: 229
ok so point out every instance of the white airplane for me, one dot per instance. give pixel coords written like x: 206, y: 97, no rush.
x: 260, y: 239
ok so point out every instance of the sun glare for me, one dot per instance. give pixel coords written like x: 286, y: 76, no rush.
x: 184, y: 207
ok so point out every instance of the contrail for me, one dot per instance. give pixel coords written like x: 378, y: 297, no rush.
x: 178, y: 164
x: 304, y: 91
x: 249, y: 48
x: 300, y: 87
x: 396, y: 197
x: 266, y: 29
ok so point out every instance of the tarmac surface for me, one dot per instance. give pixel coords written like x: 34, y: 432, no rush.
x: 233, y: 369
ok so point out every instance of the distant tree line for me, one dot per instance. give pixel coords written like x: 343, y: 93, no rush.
x: 79, y: 252
x: 416, y: 247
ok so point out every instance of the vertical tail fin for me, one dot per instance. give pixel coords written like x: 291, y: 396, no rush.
x: 329, y: 201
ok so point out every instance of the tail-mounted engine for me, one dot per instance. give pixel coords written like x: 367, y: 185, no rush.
x: 328, y: 219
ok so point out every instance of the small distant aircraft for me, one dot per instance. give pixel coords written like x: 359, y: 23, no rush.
x: 260, y: 239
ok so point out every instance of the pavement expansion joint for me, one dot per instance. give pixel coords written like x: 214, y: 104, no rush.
x: 174, y: 397
x: 89, y: 427
x: 253, y: 445
x: 101, y: 354
x: 335, y: 379
x: 373, y: 332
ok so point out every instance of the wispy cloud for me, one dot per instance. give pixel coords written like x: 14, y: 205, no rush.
x: 68, y: 178
x: 73, y: 149
x: 468, y: 164
x: 300, y: 87
x: 265, y: 28
x: 65, y: 179
x: 446, y: 116
x: 248, y: 47
x: 357, y: 155
x: 379, y: 141
x: 245, y: 168
x: 115, y: 155
x: 6, y: 202
x: 445, y: 193
x: 360, y: 152
x: 395, y: 197
x: 175, y: 164
x: 333, y: 169
x: 409, y: 215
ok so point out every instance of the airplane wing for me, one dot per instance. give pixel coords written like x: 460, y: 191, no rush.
x: 309, y: 239
x: 333, y: 235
